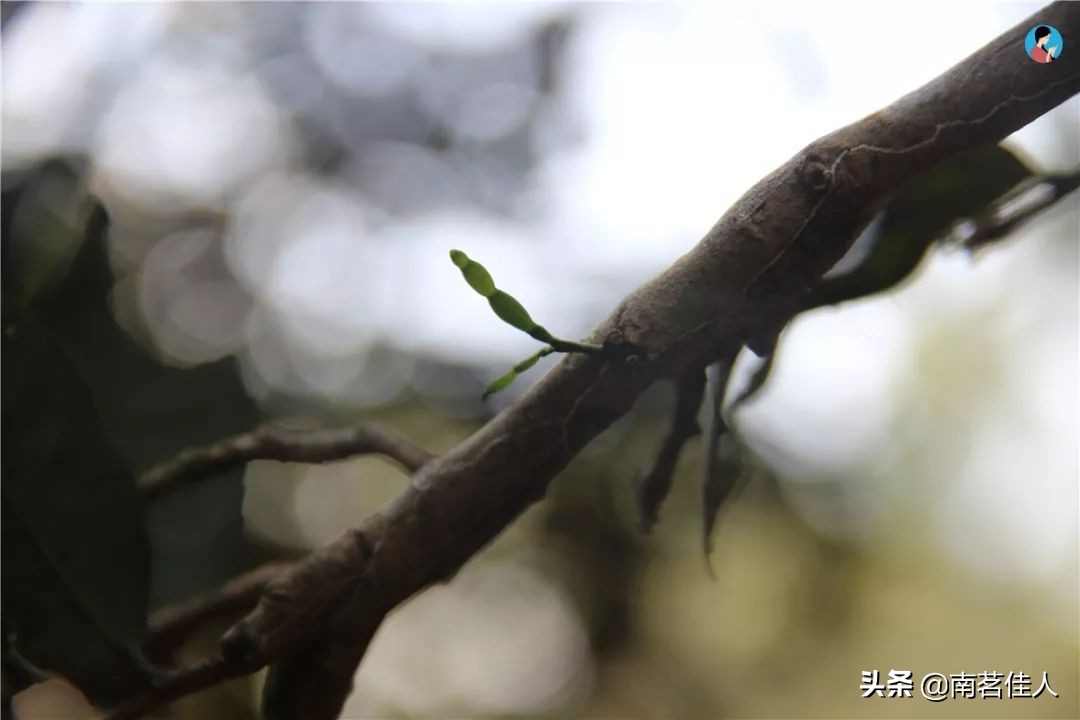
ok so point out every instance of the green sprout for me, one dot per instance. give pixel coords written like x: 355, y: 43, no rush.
x: 513, y: 313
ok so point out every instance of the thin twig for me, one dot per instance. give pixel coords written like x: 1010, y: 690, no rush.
x: 171, y: 626
x: 275, y: 443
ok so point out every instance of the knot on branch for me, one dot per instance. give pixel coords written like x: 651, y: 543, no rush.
x: 816, y: 171
x: 301, y: 600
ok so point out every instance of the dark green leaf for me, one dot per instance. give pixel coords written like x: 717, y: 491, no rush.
x: 151, y: 411
x: 41, y: 227
x: 722, y: 473
x: 75, y: 550
x: 655, y: 484
x: 723, y: 453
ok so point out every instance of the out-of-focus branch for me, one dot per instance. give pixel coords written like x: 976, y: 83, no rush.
x: 995, y: 221
x: 1027, y: 200
x: 172, y: 625
x: 274, y: 443
x: 745, y: 279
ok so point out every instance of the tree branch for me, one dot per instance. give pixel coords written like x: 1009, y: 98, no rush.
x: 748, y: 275
x: 171, y: 626
x: 274, y: 443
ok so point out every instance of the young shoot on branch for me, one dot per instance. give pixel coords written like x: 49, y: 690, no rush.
x: 511, y: 312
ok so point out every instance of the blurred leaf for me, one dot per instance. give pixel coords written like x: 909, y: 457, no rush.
x: 917, y: 216
x: 655, y: 484
x: 723, y: 452
x: 920, y: 214
x: 724, y: 468
x: 151, y: 411
x: 75, y: 552
x: 42, y: 217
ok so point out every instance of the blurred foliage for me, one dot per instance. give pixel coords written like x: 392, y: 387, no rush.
x: 56, y: 238
x: 890, y: 251
x: 76, y: 559
x: 916, y: 217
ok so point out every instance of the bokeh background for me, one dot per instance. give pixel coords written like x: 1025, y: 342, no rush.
x: 284, y: 181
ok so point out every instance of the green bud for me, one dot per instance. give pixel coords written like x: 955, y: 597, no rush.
x: 459, y: 258
x: 478, y: 278
x: 476, y: 275
x: 511, y: 311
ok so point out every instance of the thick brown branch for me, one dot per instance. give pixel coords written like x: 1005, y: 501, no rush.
x: 745, y: 278
x: 274, y: 443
